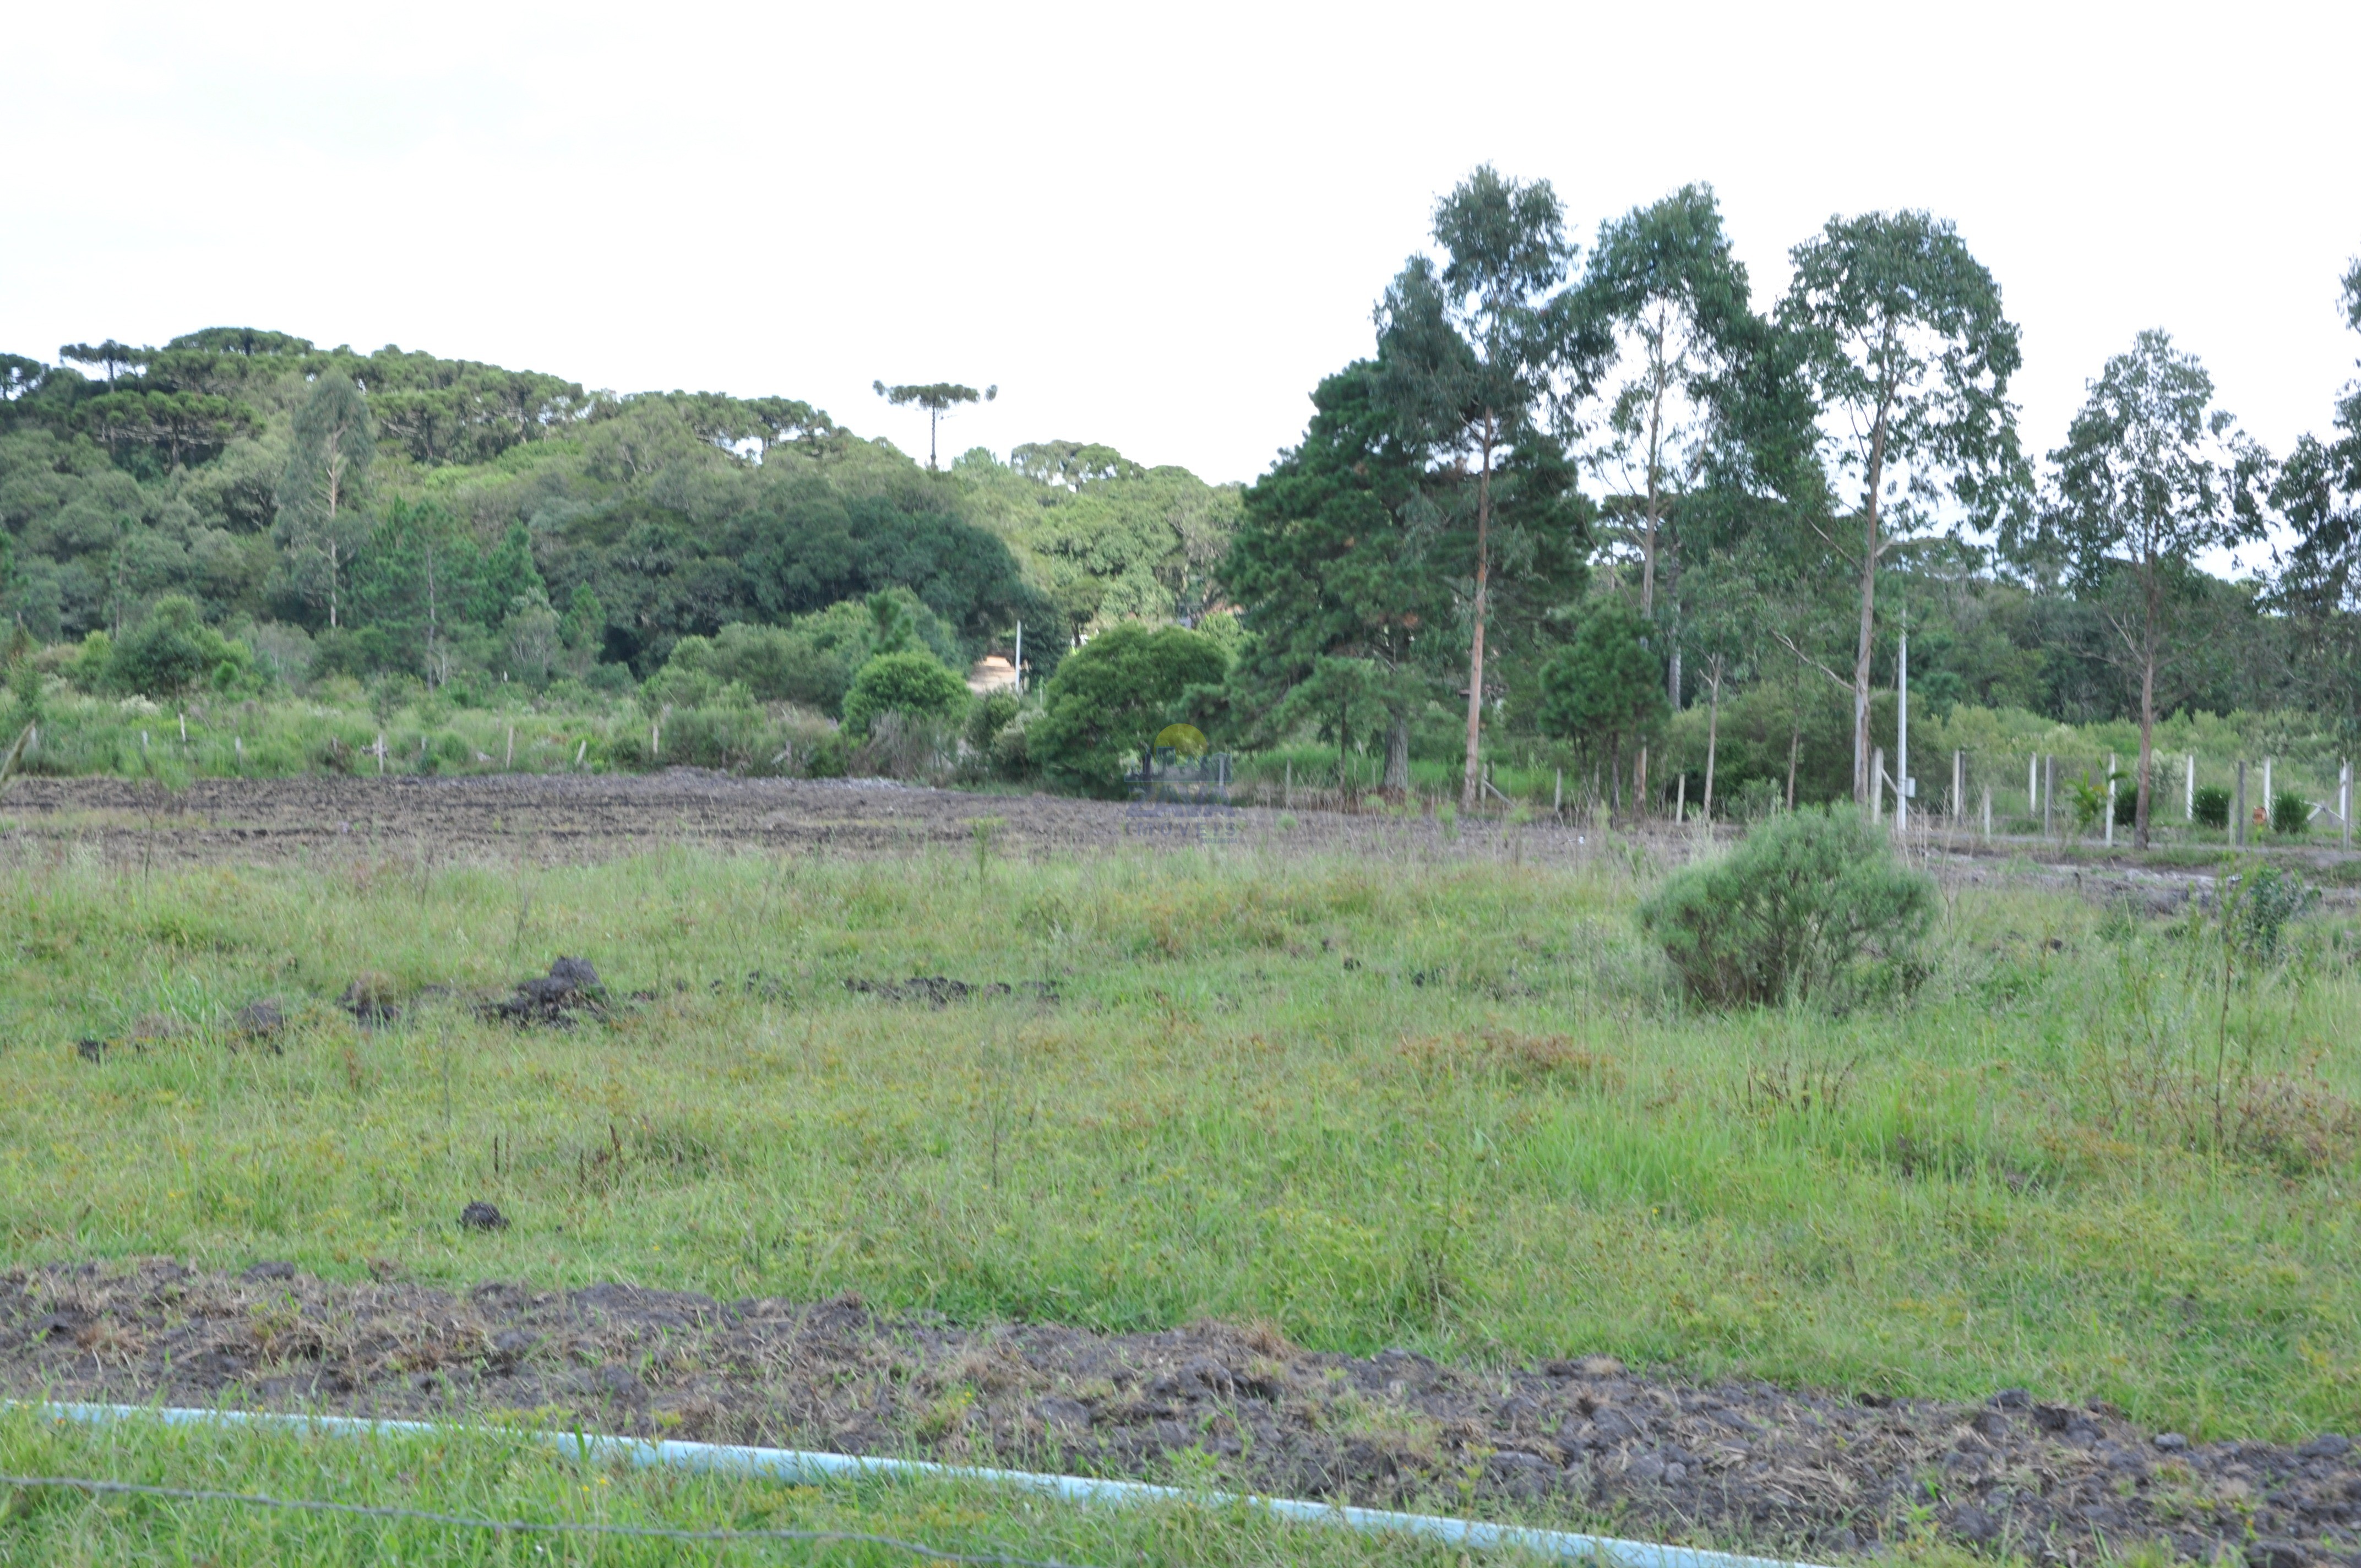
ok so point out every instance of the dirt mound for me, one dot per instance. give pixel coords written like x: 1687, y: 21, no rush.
x: 1581, y: 1442
x: 571, y: 990
x: 372, y: 998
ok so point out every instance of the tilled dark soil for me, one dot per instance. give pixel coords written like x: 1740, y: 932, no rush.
x: 561, y: 817
x: 576, y: 817
x: 1580, y: 1440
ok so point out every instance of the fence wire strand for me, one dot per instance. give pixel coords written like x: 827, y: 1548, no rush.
x: 536, y: 1527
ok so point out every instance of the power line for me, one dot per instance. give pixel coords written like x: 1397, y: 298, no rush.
x: 534, y: 1527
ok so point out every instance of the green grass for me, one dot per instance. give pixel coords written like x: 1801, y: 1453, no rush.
x: 496, y: 1475
x: 1451, y: 1107
x: 217, y: 737
x: 210, y: 737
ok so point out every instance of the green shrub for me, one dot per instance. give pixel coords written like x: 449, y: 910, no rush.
x: 776, y: 663
x: 2212, y: 806
x: 913, y: 684
x: 1108, y: 700
x: 2260, y: 904
x: 2290, y: 813
x: 88, y: 669
x: 172, y: 651
x: 991, y: 716
x: 1811, y: 904
x: 829, y: 756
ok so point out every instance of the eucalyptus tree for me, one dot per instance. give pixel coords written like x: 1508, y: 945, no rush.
x: 938, y: 398
x: 1661, y: 280
x: 2318, y: 494
x: 1474, y: 352
x: 2151, y: 475
x: 333, y: 446
x: 1906, y: 347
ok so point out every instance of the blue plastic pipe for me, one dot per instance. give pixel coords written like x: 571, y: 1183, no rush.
x: 799, y: 1467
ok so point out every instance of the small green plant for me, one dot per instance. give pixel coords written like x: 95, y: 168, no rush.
x: 2089, y: 797
x: 25, y: 688
x: 2212, y: 806
x: 2259, y: 905
x: 985, y: 831
x: 1810, y: 904
x: 2291, y: 813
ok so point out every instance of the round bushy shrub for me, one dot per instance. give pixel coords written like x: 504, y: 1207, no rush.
x: 2212, y: 806
x: 173, y: 651
x: 915, y: 684
x: 1811, y: 904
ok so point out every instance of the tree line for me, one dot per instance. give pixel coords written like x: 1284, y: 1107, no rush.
x: 1568, y: 492
x: 398, y: 514
x: 1571, y: 493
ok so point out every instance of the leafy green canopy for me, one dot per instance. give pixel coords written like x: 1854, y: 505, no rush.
x: 2318, y: 493
x: 172, y: 651
x: 1605, y: 688
x: 406, y: 509
x: 1340, y: 588
x: 2151, y: 473
x: 1107, y: 701
x: 912, y: 684
x: 1470, y: 354
x: 1905, y: 346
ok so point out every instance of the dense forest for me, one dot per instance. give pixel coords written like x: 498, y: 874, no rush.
x: 1570, y: 496
x: 397, y: 513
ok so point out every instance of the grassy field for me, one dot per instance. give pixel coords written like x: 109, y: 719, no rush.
x: 493, y: 1475
x: 1451, y: 1107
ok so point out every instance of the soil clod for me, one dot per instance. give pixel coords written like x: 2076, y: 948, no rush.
x: 480, y: 1216
x: 372, y: 998
x: 260, y: 1020
x: 556, y: 1000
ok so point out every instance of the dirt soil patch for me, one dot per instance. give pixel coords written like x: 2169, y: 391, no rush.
x: 576, y: 817
x: 1580, y: 1440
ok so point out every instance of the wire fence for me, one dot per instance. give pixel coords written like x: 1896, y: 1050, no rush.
x: 2066, y: 785
x: 531, y: 1527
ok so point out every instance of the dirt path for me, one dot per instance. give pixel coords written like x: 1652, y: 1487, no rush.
x: 1580, y: 1441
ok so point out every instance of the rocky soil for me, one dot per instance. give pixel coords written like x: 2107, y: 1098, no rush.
x: 1582, y: 1441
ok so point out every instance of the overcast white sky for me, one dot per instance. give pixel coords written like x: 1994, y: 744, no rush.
x: 1152, y: 227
